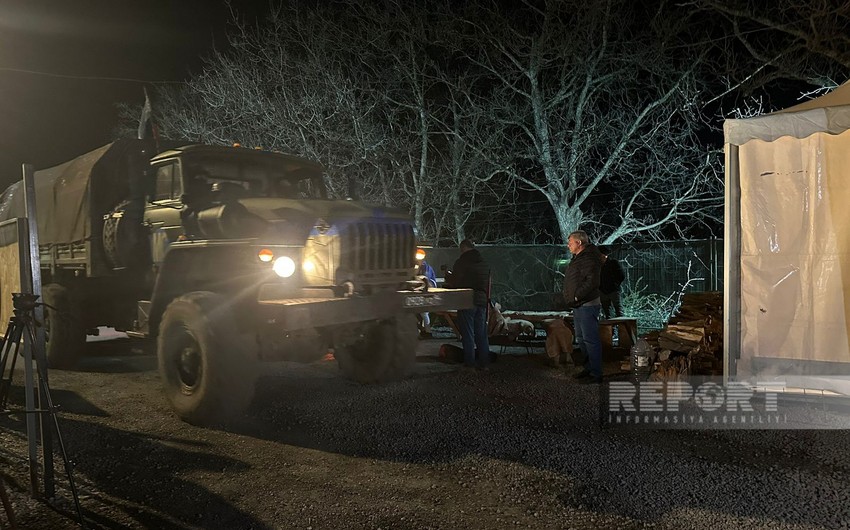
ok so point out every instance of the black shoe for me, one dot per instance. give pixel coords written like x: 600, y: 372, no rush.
x: 589, y: 380
x: 582, y: 375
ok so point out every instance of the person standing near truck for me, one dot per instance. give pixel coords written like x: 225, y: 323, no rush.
x: 472, y: 272
x: 610, y: 278
x: 581, y: 292
x: 196, y: 197
x: 426, y: 270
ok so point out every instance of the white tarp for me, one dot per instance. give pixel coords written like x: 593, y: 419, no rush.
x: 829, y: 113
x: 787, y: 288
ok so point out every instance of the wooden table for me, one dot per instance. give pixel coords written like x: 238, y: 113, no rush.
x: 626, y: 327
x: 626, y: 331
x: 449, y: 317
x: 538, y: 318
x: 529, y: 343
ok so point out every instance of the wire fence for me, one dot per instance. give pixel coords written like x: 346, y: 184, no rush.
x: 529, y: 277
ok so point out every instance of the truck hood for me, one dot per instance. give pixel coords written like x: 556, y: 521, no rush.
x: 292, y: 221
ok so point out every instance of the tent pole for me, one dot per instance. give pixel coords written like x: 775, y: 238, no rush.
x: 732, y: 265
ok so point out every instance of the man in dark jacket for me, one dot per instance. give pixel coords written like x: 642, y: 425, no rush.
x: 470, y: 271
x: 610, y: 278
x: 581, y: 292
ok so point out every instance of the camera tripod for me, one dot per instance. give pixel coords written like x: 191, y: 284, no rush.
x: 22, y: 327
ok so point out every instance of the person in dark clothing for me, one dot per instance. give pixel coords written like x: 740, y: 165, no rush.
x: 470, y: 271
x: 581, y: 292
x: 426, y: 270
x: 610, y: 278
x: 196, y: 197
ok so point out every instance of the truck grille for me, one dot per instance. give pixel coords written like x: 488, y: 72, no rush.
x: 368, y: 248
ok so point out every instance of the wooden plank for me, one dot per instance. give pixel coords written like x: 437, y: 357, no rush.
x: 10, y: 281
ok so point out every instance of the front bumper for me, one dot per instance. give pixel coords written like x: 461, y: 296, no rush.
x: 301, y: 313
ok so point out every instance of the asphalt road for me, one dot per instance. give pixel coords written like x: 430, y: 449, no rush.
x: 519, y: 446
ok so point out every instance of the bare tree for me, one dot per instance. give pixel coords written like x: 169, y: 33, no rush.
x: 782, y: 40
x: 461, y: 115
x: 375, y: 109
x: 439, y: 142
x: 469, y: 145
x: 288, y: 85
x: 591, y: 102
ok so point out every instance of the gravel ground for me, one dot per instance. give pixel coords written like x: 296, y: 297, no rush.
x: 519, y: 446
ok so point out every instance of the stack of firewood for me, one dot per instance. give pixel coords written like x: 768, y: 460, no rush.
x: 692, y: 341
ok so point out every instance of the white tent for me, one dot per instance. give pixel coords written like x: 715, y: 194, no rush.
x: 787, y: 245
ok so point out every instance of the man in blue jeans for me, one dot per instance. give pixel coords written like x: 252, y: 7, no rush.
x: 581, y: 292
x: 470, y: 271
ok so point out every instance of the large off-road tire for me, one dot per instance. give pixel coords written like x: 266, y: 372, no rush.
x: 125, y: 238
x: 64, y: 330
x: 207, y: 371
x: 385, y: 352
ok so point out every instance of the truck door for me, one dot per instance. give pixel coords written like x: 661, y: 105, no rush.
x: 162, y: 213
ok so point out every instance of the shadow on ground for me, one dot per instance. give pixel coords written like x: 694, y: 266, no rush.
x: 122, y: 478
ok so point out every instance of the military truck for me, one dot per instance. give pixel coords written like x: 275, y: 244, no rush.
x: 227, y: 257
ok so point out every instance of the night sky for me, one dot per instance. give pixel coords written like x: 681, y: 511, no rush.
x: 68, y: 107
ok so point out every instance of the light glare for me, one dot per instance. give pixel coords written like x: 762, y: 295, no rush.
x: 284, y: 267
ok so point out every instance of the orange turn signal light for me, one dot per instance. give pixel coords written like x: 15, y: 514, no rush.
x: 265, y: 255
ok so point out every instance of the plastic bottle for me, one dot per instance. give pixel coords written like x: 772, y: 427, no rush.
x: 641, y: 357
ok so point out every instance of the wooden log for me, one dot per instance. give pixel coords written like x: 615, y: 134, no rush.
x: 671, y: 369
x: 691, y: 337
x: 667, y: 344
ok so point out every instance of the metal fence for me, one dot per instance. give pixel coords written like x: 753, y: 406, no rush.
x: 669, y: 266
x: 529, y: 277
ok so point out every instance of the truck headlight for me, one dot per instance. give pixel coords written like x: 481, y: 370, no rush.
x: 284, y: 267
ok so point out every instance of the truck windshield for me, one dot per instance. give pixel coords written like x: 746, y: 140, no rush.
x: 254, y: 176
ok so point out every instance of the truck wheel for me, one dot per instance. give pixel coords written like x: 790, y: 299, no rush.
x: 125, y: 238
x: 385, y: 352
x: 207, y: 371
x: 64, y: 332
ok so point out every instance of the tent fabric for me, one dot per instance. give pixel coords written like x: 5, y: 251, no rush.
x: 829, y: 113
x: 788, y: 296
x: 795, y: 248
x: 801, y: 124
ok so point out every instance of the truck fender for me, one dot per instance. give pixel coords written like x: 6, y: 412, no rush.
x: 201, y: 267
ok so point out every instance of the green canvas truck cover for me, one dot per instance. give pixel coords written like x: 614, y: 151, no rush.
x: 73, y: 197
